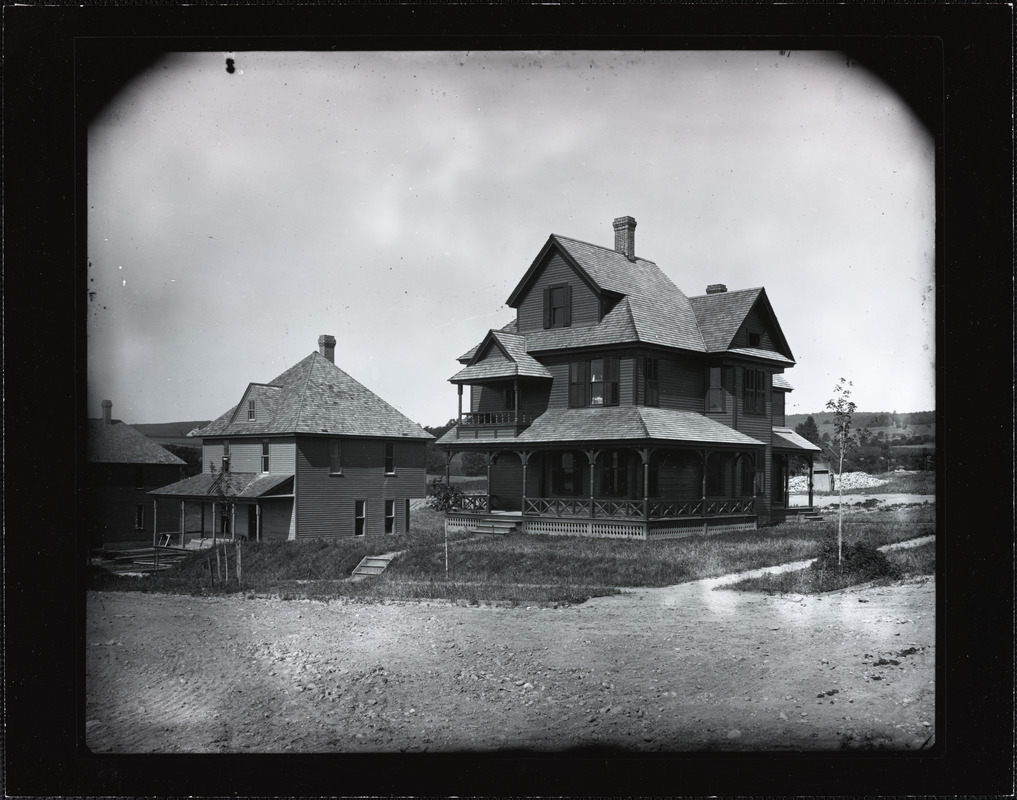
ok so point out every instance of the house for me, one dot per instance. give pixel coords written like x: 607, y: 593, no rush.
x: 123, y: 466
x: 614, y: 405
x: 310, y: 454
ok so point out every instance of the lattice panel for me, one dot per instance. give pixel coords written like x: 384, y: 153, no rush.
x: 555, y: 527
x: 459, y: 523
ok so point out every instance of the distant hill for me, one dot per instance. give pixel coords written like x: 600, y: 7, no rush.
x: 892, y: 425
x: 172, y: 432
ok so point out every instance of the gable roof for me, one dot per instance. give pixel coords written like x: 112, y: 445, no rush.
x: 118, y: 443
x: 720, y: 316
x: 780, y: 382
x: 315, y: 396
x: 514, y: 361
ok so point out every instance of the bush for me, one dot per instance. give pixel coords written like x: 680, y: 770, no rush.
x: 443, y: 496
x: 865, y: 561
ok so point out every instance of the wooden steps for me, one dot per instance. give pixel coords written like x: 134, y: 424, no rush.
x: 812, y: 516
x: 373, y: 565
x: 496, y: 526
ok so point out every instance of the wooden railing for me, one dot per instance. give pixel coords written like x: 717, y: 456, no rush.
x: 635, y: 509
x: 477, y: 503
x: 521, y: 418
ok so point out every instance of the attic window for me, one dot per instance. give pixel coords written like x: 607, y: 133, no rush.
x: 558, y: 306
x: 251, y: 414
x: 755, y: 339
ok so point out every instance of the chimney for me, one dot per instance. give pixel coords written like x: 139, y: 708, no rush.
x: 625, y: 237
x: 326, y: 346
x: 716, y: 288
x: 107, y: 411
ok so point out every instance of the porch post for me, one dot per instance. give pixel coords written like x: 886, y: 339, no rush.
x: 448, y: 467
x: 459, y: 386
x: 524, y: 456
x: 515, y: 385
x: 787, y: 481
x: 182, y: 518
x: 705, y: 454
x: 490, y: 460
x: 233, y: 521
x: 155, y: 523
x: 215, y: 530
x: 202, y: 519
x: 645, y: 456
x: 810, y: 478
x: 591, y: 456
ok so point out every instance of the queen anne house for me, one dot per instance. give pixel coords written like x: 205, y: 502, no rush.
x: 310, y: 454
x: 614, y: 405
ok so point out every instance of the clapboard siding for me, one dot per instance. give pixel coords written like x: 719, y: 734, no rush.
x: 679, y: 475
x: 282, y: 455
x: 585, y: 303
x: 559, y: 394
x: 275, y: 519
x: 758, y: 426
x: 113, y: 498
x: 326, y: 503
x: 756, y: 323
x: 245, y: 455
x: 682, y: 384
x: 626, y: 371
x: 211, y: 455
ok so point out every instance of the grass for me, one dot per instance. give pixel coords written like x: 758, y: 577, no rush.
x: 510, y: 569
x: 923, y: 482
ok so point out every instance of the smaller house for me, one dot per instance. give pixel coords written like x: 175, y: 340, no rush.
x: 123, y: 466
x: 310, y: 454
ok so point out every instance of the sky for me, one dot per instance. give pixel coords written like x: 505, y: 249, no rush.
x: 395, y: 199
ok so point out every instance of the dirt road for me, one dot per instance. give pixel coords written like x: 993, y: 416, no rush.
x: 680, y: 668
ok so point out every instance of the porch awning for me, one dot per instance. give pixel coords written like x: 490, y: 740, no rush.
x: 633, y: 424
x: 786, y: 440
x: 234, y: 485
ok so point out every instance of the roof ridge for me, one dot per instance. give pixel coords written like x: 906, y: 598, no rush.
x: 601, y: 247
x: 301, y: 393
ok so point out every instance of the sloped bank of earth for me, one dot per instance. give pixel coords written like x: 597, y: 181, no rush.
x: 681, y: 668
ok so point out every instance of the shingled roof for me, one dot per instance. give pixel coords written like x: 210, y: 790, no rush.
x: 315, y: 396
x: 621, y: 423
x: 787, y: 439
x: 512, y: 360
x: 115, y: 442
x: 241, y: 485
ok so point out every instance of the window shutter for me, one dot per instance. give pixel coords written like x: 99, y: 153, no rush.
x: 568, y: 305
x: 547, y: 308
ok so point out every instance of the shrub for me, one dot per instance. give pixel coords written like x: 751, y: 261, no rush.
x: 860, y: 558
x: 443, y: 496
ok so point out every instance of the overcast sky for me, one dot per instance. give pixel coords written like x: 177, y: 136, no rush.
x: 394, y: 200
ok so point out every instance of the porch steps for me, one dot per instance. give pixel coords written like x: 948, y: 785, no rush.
x: 812, y: 516
x: 373, y: 565
x: 496, y: 526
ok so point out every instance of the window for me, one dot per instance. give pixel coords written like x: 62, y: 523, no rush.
x: 389, y: 516
x: 264, y: 456
x: 755, y: 339
x: 139, y: 478
x: 558, y: 306
x: 389, y: 458
x: 359, y: 517
x: 251, y: 415
x: 139, y: 518
x: 754, y: 391
x: 651, y: 382
x: 715, y: 395
x: 593, y: 382
x: 748, y: 470
x: 613, y: 474
x: 777, y: 399
x: 335, y: 456
x: 510, y: 398
x: 225, y: 456
x: 715, y: 473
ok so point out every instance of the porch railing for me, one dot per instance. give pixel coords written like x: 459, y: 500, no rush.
x: 496, y: 418
x: 634, y: 509
x: 477, y: 503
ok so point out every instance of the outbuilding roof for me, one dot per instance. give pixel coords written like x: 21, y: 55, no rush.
x: 115, y: 442
x: 315, y: 396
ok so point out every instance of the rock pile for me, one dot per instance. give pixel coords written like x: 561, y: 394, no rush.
x: 850, y: 481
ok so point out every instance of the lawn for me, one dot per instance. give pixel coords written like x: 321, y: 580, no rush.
x: 517, y: 568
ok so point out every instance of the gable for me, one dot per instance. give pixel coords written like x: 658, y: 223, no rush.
x: 263, y: 396
x: 555, y: 269
x: 760, y: 330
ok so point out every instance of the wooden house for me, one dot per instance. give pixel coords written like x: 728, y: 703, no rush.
x: 614, y: 405
x: 310, y: 454
x: 124, y: 465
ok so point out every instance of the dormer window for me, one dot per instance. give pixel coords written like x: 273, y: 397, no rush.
x: 251, y: 411
x: 755, y: 339
x: 558, y: 306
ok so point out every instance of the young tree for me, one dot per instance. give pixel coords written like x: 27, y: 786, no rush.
x: 844, y: 440
x: 808, y: 430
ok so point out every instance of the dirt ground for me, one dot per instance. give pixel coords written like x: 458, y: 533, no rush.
x: 684, y: 668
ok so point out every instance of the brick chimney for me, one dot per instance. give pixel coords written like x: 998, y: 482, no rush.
x: 326, y: 346
x: 716, y: 288
x: 107, y: 411
x: 625, y: 237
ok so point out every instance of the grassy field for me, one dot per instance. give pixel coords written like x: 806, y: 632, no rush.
x: 511, y: 569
